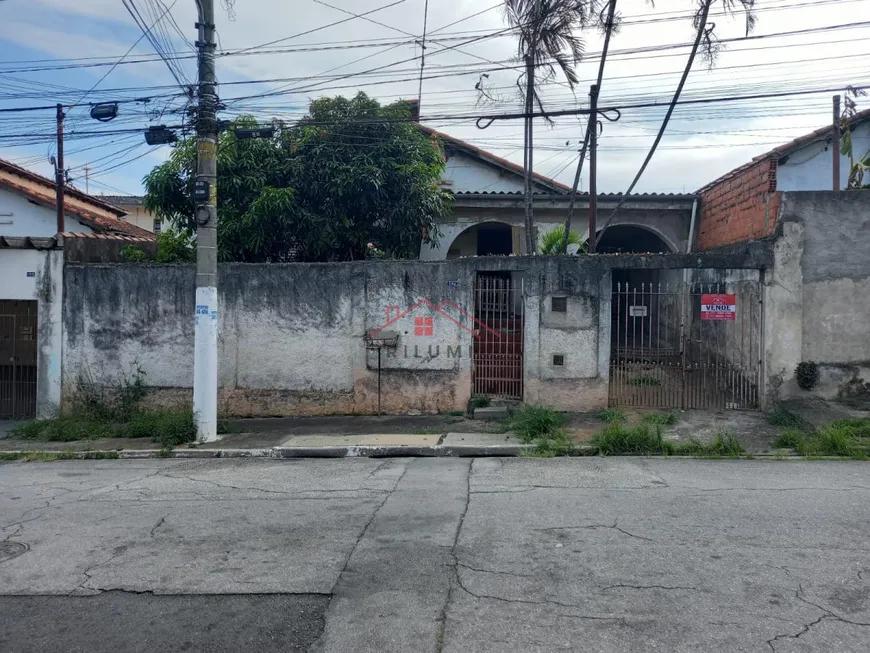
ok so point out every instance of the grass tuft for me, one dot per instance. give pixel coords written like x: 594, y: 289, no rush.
x: 610, y: 415
x: 665, y: 418
x: 532, y: 422
x: 480, y: 401
x: 616, y: 438
x: 557, y: 444
x: 849, y: 438
x: 781, y: 416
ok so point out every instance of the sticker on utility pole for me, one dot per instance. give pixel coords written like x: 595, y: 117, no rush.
x: 718, y: 307
x: 638, y: 311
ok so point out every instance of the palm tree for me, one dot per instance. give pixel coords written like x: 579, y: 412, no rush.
x: 551, y: 243
x: 547, y: 44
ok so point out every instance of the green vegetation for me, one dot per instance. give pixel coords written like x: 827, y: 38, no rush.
x: 779, y: 415
x: 534, y: 422
x: 665, y: 418
x: 172, y: 247
x: 644, y: 380
x: 101, y: 411
x: 479, y: 401
x: 849, y: 438
x: 349, y: 181
x: 610, y: 415
x: 550, y: 446
x: 618, y: 438
x: 551, y: 243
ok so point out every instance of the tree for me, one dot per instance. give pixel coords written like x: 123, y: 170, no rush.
x: 546, y: 35
x: 857, y: 168
x: 349, y: 174
x: 551, y: 243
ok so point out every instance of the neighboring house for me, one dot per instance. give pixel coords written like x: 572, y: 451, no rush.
x: 31, y: 282
x: 137, y: 214
x: 488, y: 209
x: 745, y: 203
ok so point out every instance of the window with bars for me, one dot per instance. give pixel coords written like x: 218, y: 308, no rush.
x: 559, y: 305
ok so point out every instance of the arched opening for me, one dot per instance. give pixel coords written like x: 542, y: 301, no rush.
x: 629, y: 239
x: 483, y: 239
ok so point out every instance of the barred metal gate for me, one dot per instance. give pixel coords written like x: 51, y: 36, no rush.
x: 686, y: 346
x: 17, y: 359
x: 497, y: 349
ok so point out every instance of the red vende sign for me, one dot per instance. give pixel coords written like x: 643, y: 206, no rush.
x: 718, y: 307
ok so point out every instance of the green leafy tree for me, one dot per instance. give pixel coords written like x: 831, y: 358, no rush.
x: 350, y: 174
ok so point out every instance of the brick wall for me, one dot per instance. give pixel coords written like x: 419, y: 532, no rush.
x: 741, y: 206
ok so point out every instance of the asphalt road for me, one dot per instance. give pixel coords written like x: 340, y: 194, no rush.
x: 448, y: 555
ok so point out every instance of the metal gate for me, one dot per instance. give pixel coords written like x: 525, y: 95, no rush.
x: 686, y: 346
x: 497, y: 349
x: 17, y: 359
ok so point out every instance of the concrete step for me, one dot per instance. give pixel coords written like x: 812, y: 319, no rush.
x: 491, y: 413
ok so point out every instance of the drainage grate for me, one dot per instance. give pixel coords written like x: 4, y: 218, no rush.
x: 10, y: 549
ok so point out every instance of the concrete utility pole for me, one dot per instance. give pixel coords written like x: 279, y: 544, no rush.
x: 592, y: 240
x: 205, y: 363
x: 836, y: 143
x: 59, y: 173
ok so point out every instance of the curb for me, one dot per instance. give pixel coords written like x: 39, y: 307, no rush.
x: 347, y: 451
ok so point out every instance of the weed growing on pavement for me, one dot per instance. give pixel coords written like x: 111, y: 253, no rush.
x: 480, y: 401
x: 550, y: 446
x: 53, y: 456
x: 665, y: 418
x: 849, y: 438
x: 779, y: 415
x: 725, y: 444
x: 101, y: 411
x: 610, y: 415
x: 533, y: 422
x: 617, y: 438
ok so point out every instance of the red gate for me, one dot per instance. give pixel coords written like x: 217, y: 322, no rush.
x: 497, y: 356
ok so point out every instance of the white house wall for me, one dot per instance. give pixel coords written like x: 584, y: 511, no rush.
x: 467, y: 174
x: 20, y: 217
x: 811, y: 167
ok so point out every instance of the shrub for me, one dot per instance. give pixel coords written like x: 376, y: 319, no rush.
x: 807, y: 374
x: 169, y: 428
x: 789, y: 438
x: 532, y: 422
x: 725, y: 444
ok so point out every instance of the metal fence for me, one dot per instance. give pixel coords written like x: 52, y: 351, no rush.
x: 497, y: 349
x: 686, y: 346
x: 17, y: 359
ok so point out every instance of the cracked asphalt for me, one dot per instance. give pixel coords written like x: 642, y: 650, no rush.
x: 426, y: 554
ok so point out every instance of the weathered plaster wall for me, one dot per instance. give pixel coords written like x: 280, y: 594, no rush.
x: 28, y: 274
x: 835, y: 270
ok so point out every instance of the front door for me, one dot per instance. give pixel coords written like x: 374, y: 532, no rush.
x: 497, y: 348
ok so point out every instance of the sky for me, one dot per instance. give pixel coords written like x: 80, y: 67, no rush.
x: 298, y: 50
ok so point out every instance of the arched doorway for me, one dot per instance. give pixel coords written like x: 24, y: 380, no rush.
x: 483, y: 239
x: 631, y: 239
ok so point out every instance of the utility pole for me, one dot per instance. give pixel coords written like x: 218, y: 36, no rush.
x: 591, y: 241
x: 87, y: 170
x: 59, y: 173
x: 205, y: 363
x: 837, y: 136
x: 423, y: 54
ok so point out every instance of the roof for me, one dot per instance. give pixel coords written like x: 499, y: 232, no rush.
x: 126, y: 239
x: 492, y: 159
x: 788, y: 148
x: 92, y: 211
x: 606, y: 196
x: 123, y: 200
x: 26, y: 242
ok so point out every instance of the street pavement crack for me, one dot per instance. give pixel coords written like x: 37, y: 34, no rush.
x: 828, y: 614
x: 442, y: 618
x: 649, y: 587
x: 158, y: 524
x: 493, y: 571
x: 614, y: 526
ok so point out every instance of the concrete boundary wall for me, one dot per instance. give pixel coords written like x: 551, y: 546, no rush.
x: 292, y: 337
